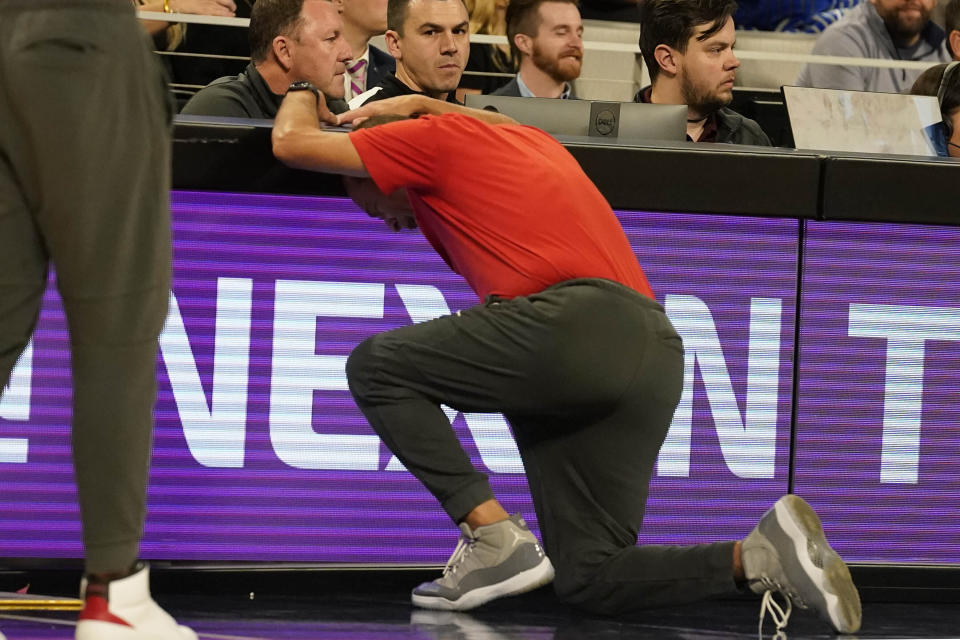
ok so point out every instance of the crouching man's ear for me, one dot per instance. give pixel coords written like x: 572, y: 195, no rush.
x: 394, y: 209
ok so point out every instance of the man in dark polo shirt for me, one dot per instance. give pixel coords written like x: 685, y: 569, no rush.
x: 290, y: 40
x: 569, y: 344
x: 687, y: 46
x: 430, y: 40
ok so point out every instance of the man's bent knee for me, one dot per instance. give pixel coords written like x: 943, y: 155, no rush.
x: 361, y: 366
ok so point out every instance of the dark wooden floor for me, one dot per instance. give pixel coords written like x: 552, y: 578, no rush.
x: 375, y: 605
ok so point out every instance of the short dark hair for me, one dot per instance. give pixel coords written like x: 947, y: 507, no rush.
x: 672, y: 22
x: 269, y: 19
x: 397, y: 14
x: 951, y: 21
x: 929, y: 84
x: 523, y: 16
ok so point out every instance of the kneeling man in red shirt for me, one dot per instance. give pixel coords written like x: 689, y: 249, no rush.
x: 568, y: 343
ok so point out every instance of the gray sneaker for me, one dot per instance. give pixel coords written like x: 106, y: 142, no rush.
x: 493, y: 561
x: 788, y: 553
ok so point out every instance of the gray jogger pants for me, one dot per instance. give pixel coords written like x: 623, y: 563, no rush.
x: 84, y: 185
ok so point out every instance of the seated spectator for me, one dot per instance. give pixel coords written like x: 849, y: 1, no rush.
x: 487, y: 17
x: 943, y: 81
x: 951, y: 20
x: 546, y: 36
x: 880, y: 29
x: 430, y: 41
x: 687, y: 46
x: 290, y: 40
x: 363, y: 19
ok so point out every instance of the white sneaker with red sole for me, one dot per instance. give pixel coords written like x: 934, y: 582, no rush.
x: 127, y: 612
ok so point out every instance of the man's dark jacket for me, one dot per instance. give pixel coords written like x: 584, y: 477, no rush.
x: 380, y: 65
x: 391, y: 87
x: 737, y: 129
x: 732, y: 127
x: 512, y: 89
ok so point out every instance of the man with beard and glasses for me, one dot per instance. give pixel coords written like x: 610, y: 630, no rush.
x: 546, y: 36
x: 882, y: 29
x: 687, y: 46
x: 430, y: 40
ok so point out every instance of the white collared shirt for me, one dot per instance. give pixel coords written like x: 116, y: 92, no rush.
x: 346, y: 76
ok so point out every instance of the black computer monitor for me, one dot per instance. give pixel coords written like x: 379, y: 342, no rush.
x: 767, y: 108
x: 622, y: 120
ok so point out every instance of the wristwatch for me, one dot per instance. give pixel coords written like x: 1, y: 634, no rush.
x: 304, y: 85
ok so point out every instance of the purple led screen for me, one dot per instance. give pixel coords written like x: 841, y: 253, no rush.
x: 878, y: 413
x: 260, y: 453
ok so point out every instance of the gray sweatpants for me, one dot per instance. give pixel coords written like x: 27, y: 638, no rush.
x: 588, y: 373
x: 84, y: 184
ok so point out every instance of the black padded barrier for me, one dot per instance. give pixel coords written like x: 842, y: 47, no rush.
x: 227, y: 154
x: 891, y: 189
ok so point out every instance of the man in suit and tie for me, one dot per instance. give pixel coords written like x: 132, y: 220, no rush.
x: 546, y: 36
x: 363, y: 19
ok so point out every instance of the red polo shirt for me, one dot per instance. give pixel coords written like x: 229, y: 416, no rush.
x: 506, y: 206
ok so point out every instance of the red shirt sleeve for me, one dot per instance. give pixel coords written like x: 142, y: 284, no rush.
x: 399, y: 154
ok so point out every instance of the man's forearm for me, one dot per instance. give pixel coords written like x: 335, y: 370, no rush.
x: 300, y: 142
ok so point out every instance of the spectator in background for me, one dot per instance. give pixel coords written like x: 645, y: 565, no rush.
x: 943, y: 81
x: 687, y: 46
x: 430, y: 40
x: 487, y: 17
x: 363, y: 19
x: 546, y: 36
x: 290, y: 40
x: 951, y: 20
x: 881, y: 29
